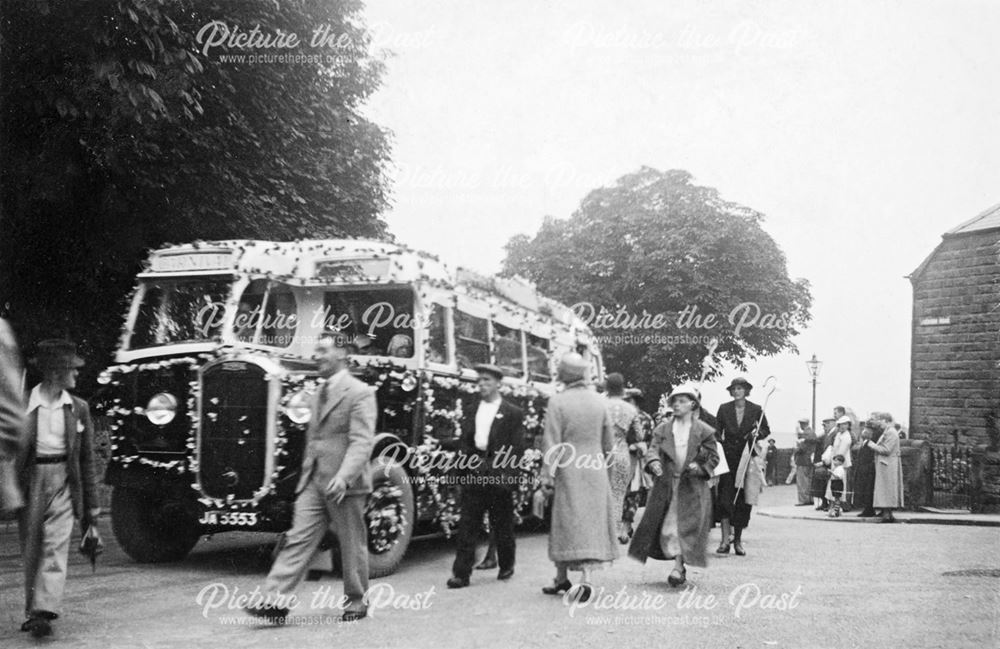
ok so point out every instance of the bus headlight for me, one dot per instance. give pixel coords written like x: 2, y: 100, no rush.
x: 299, y: 409
x: 162, y: 409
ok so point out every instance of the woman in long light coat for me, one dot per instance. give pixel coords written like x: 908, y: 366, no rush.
x: 577, y: 441
x: 678, y: 513
x: 888, y: 473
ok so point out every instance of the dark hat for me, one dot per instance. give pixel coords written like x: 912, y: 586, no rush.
x: 635, y: 394
x: 56, y: 353
x: 488, y: 368
x: 739, y: 380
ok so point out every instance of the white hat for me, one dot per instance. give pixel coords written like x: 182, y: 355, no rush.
x: 687, y: 389
x: 844, y: 419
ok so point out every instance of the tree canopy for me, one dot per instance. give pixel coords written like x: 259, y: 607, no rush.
x: 656, y: 244
x: 120, y: 132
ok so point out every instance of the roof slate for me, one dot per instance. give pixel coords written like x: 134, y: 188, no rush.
x: 986, y: 220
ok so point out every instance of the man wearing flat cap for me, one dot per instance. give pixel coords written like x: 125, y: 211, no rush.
x: 492, y: 443
x: 57, y: 474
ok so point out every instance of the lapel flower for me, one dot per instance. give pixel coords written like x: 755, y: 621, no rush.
x: 499, y: 416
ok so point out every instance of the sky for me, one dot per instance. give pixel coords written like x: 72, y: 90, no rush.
x: 862, y: 130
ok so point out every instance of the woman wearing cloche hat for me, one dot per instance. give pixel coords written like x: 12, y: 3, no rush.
x: 678, y: 517
x: 736, y: 422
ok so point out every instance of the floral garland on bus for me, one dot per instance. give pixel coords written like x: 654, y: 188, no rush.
x: 440, y: 498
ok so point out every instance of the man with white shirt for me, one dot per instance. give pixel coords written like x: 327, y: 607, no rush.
x: 493, y: 442
x: 56, y: 470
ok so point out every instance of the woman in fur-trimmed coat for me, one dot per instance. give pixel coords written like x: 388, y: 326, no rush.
x: 678, y: 515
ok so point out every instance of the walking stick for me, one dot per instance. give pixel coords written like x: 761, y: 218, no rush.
x: 741, y: 471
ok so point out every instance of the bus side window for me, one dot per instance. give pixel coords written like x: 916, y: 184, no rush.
x: 437, y: 334
x: 248, y: 313
x: 538, y: 359
x: 472, y: 341
x: 507, y: 343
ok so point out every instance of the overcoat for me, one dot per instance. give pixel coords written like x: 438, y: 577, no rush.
x: 577, y: 441
x: 888, y: 471
x: 694, y: 497
x: 735, y: 437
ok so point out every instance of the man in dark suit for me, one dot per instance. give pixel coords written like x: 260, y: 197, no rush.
x: 736, y: 422
x: 333, y: 487
x: 492, y: 442
x: 57, y: 475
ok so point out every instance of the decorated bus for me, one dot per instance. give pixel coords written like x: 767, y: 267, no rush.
x: 209, y: 397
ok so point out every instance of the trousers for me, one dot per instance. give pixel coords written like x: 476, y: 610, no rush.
x: 314, y: 514
x: 476, y: 500
x: 45, y: 527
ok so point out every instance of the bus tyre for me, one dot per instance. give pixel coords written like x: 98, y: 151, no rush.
x: 389, y: 515
x: 149, y: 528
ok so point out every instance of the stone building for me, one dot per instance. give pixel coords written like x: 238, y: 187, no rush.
x: 954, y: 384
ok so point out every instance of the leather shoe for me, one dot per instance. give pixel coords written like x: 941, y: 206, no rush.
x: 722, y: 549
x: 271, y: 614
x: 738, y: 548
x: 458, y: 582
x: 487, y: 564
x: 677, y: 577
x: 353, y: 616
x: 504, y: 575
x: 38, y: 626
x: 867, y: 513
x: 581, y: 593
x: 556, y: 589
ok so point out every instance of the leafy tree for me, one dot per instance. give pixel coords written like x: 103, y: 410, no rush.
x: 656, y: 243
x: 120, y: 133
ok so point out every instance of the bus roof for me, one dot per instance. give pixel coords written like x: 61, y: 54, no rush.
x: 325, y: 262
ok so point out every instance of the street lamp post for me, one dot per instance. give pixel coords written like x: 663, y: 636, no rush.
x: 813, y: 364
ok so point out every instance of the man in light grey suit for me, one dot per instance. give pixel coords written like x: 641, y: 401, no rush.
x: 332, y: 489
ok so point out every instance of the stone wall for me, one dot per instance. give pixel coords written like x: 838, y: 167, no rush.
x: 954, y: 389
x: 985, y: 480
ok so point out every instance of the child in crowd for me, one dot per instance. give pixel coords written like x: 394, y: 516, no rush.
x: 835, y: 488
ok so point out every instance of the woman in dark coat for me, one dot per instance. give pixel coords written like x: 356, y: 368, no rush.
x: 736, y: 422
x: 864, y: 467
x: 678, y: 513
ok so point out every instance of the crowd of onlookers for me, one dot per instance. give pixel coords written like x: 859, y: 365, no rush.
x: 850, y: 464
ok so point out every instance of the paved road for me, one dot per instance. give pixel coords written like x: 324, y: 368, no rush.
x: 841, y: 585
